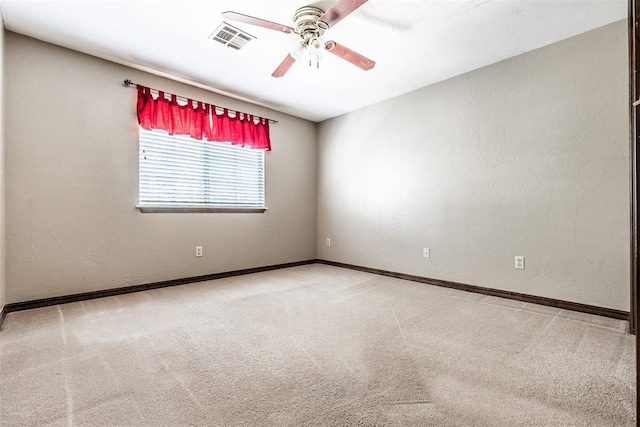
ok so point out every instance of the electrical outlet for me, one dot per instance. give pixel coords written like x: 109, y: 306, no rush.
x: 328, y: 242
x: 519, y: 265
x: 426, y: 253
x: 198, y: 251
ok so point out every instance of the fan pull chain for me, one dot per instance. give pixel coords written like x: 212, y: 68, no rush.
x: 313, y: 55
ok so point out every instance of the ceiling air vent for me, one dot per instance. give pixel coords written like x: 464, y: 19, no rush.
x: 231, y: 36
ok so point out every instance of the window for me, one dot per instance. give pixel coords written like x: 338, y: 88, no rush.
x: 181, y: 173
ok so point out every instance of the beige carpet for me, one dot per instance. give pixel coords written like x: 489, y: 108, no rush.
x: 314, y: 345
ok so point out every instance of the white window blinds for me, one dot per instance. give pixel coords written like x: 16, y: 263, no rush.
x: 176, y: 170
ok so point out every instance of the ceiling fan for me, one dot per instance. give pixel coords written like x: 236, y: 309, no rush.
x: 310, y: 24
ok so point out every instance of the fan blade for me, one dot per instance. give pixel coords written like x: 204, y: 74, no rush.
x: 349, y: 55
x: 340, y: 10
x: 239, y: 17
x: 284, y: 66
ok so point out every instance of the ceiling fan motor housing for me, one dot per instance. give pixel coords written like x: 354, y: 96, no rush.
x: 308, y: 24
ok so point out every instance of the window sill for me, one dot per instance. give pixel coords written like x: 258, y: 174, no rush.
x: 195, y: 209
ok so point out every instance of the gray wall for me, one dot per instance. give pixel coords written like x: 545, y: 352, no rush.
x: 525, y: 157
x: 528, y: 157
x: 72, y: 152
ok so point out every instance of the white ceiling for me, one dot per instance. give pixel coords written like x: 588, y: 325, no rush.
x: 414, y: 43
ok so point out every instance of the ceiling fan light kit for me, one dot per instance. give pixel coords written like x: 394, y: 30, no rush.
x: 310, y: 24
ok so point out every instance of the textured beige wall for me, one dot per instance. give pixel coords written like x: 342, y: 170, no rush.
x: 72, y: 154
x: 528, y: 157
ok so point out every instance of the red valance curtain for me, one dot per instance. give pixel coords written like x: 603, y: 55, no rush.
x: 201, y: 121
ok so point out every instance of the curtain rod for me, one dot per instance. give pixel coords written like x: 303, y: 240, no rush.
x: 128, y: 83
